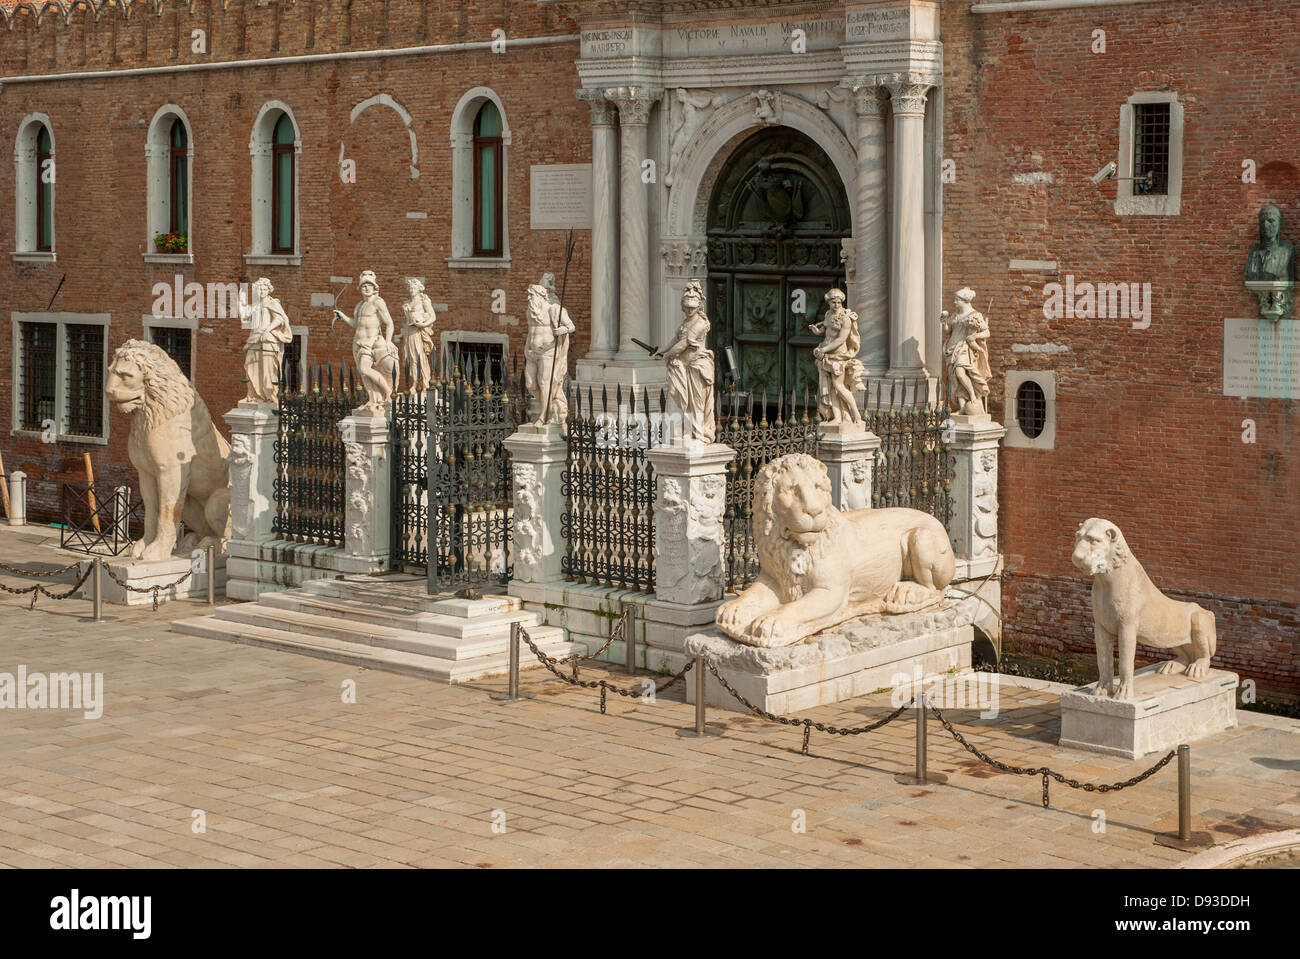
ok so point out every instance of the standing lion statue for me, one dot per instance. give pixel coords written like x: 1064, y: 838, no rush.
x: 182, y: 461
x: 821, y: 567
x: 1128, y: 606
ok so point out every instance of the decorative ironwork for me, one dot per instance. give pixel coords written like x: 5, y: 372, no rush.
x: 913, y: 467
x: 609, y: 488
x: 309, y: 458
x: 757, y: 441
x: 99, y: 518
x: 461, y: 494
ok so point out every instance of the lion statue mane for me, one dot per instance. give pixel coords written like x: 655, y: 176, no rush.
x: 820, y: 567
x: 1127, y: 606
x: 182, y: 461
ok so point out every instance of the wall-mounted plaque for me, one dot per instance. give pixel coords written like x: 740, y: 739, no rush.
x: 560, y: 197
x: 1261, y: 358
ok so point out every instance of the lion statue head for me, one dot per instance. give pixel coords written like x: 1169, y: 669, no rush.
x: 143, y: 379
x: 792, y: 512
x: 1099, y: 547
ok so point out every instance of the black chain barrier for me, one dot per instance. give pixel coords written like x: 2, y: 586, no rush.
x: 551, y: 663
x: 1047, y: 773
x: 37, y: 573
x: 148, y: 589
x: 39, y: 589
x: 621, y: 628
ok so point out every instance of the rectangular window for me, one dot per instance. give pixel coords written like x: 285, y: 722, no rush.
x: 85, y: 389
x: 176, y: 343
x: 39, y: 383
x: 1151, y: 125
x: 180, y: 198
x: 282, y: 202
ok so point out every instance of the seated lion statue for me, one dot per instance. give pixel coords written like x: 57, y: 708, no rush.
x: 821, y: 567
x: 1128, y: 606
x: 182, y: 461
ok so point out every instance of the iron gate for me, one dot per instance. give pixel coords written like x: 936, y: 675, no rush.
x: 451, y: 473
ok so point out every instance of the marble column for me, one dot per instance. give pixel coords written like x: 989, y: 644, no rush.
x: 973, y: 522
x: 869, y: 274
x: 368, y: 494
x: 537, y: 460
x: 604, y: 225
x: 634, y: 105
x: 907, y: 236
x: 253, y: 431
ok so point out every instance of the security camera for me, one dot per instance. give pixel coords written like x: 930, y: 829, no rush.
x: 1105, y: 173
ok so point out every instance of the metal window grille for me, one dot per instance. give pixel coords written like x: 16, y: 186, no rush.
x: 39, y: 376
x: 309, y: 458
x: 484, y: 362
x: 85, y: 388
x: 175, y: 343
x: 1151, y: 148
x: 1031, y: 409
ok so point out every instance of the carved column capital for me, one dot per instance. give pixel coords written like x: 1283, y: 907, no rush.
x: 908, y: 92
x: 633, y: 103
x: 870, y: 97
x: 602, y: 111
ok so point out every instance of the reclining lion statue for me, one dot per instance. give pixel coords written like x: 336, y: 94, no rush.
x: 1128, y: 606
x: 821, y: 567
x: 182, y: 461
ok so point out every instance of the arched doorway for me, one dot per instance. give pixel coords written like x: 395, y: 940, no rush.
x: 776, y: 218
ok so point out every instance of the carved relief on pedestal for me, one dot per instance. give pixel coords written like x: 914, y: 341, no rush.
x: 857, y: 487
x: 688, y: 538
x: 984, y: 495
x: 241, y: 491
x: 529, y: 524
x: 360, y: 471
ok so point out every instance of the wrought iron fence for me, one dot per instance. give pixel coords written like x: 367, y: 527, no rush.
x: 463, y: 498
x: 757, y: 440
x: 309, y: 457
x: 609, y: 488
x: 99, y: 518
x: 913, y: 467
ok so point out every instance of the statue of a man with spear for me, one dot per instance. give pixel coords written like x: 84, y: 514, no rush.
x: 546, y: 350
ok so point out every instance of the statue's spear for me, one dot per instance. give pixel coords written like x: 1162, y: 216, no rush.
x: 569, y: 245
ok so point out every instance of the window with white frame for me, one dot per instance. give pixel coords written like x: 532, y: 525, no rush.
x: 276, y: 145
x: 175, y: 337
x: 480, y: 357
x: 480, y: 148
x: 1150, y: 178
x: 34, y: 182
x: 169, y: 163
x: 1030, y: 409
x: 59, y: 362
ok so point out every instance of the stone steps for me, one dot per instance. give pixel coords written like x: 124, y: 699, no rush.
x: 449, y: 640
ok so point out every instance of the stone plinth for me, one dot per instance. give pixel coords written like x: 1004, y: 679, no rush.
x: 849, y: 452
x: 143, y: 575
x: 853, y: 659
x: 973, y: 523
x: 367, y: 501
x: 691, y: 497
x: 1165, y: 711
x: 537, y: 460
x: 253, y: 430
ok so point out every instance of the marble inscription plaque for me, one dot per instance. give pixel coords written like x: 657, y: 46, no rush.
x: 1261, y: 358
x: 560, y: 196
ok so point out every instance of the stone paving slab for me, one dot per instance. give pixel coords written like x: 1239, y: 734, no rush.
x: 416, y: 773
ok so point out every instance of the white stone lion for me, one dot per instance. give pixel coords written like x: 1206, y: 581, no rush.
x: 821, y: 567
x: 182, y: 461
x: 1127, y: 606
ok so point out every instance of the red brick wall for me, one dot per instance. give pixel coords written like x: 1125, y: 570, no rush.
x: 1144, y: 436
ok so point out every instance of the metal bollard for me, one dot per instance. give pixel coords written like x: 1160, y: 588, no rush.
x: 212, y: 575
x: 97, y: 590
x: 1185, y: 793
x: 921, y: 758
x: 700, y: 675
x: 513, y: 690
x: 629, y: 638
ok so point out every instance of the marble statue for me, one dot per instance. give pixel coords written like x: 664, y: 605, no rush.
x: 820, y: 567
x: 546, y: 353
x: 264, y: 351
x: 417, y: 336
x: 839, y: 371
x: 966, y: 356
x: 1272, y: 257
x: 1127, y: 606
x: 373, y: 351
x: 183, y: 463
x: 690, y: 368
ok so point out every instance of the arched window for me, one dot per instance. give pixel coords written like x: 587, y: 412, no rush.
x: 178, y: 193
x: 487, y: 181
x: 282, y: 186
x: 44, y: 186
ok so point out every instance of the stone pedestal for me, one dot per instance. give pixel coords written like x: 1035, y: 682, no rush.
x: 1165, y: 711
x: 849, y: 452
x: 141, y: 575
x: 690, y: 499
x: 537, y: 460
x: 973, y: 524
x: 367, y: 500
x: 1275, y: 298
x: 253, y: 429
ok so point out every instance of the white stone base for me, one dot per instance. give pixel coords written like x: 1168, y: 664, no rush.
x: 276, y: 565
x: 144, y: 575
x: 856, y: 658
x: 1164, y: 712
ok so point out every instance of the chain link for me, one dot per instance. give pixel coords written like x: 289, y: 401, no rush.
x: 620, y: 629
x: 1046, y: 772
x: 38, y: 573
x: 553, y: 664
x: 39, y: 589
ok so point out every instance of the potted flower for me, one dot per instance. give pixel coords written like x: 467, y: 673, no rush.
x: 171, y: 242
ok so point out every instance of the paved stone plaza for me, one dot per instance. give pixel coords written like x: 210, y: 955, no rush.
x: 414, y: 772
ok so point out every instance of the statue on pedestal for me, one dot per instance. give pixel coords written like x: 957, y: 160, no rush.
x: 372, y: 346
x: 1272, y: 257
x: 264, y: 351
x: 966, y: 356
x: 690, y: 367
x: 546, y: 353
x: 839, y: 369
x: 417, y: 336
